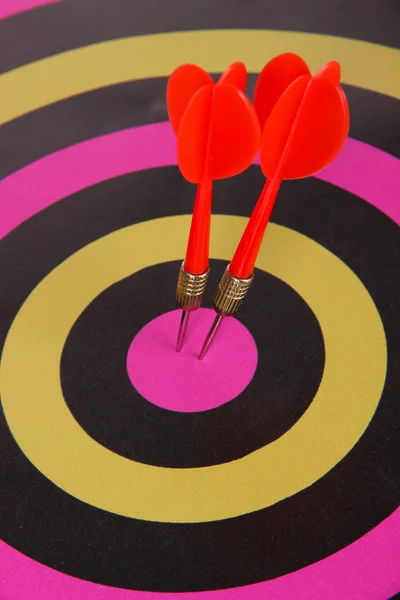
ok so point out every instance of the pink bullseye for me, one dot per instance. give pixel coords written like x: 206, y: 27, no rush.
x: 180, y: 382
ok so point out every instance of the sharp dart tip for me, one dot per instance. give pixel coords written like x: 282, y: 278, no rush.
x: 182, y: 330
x: 210, y: 336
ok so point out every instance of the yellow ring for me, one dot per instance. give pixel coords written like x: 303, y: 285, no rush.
x: 54, y: 442
x: 49, y: 80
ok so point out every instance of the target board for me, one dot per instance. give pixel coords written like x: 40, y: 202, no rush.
x: 270, y: 469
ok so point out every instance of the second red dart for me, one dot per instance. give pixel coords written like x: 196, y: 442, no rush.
x: 302, y: 133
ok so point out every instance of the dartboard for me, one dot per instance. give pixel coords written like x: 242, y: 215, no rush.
x: 128, y: 472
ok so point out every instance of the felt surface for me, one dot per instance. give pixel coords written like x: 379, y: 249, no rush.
x: 90, y: 118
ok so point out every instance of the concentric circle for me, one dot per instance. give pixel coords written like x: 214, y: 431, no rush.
x: 95, y: 382
x: 235, y: 552
x: 355, y: 365
x: 241, y: 562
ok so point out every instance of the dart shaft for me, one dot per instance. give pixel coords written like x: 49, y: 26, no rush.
x: 211, y: 335
x: 196, y: 260
x: 244, y: 259
x: 182, y: 330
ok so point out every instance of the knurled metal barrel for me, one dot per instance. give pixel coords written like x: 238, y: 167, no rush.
x: 230, y: 293
x: 190, y: 289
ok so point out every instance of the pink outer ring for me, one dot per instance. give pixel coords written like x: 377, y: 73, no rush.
x: 367, y: 568
x: 8, y: 8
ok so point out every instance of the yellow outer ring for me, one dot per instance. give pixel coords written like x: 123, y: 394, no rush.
x: 54, y: 442
x: 40, y: 83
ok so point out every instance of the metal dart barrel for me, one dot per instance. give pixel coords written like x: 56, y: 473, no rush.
x: 190, y: 291
x: 228, y: 298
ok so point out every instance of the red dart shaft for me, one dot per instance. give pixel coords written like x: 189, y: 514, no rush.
x: 244, y: 259
x: 196, y: 261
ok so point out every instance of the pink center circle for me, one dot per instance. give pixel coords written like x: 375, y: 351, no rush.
x: 180, y: 382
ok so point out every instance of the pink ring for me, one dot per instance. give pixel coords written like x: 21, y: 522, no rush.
x: 367, y: 568
x: 9, y: 8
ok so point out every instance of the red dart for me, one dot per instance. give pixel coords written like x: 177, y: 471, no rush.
x: 218, y: 137
x: 273, y: 80
x: 183, y: 85
x: 304, y: 131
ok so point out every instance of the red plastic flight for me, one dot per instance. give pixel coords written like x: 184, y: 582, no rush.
x: 235, y: 74
x: 303, y: 133
x: 273, y: 80
x: 187, y: 79
x: 330, y: 71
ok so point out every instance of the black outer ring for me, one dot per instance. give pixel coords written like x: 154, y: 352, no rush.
x: 49, y: 525
x: 88, y: 115
x: 102, y: 399
x: 24, y: 38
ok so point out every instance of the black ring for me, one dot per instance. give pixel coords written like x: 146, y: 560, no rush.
x: 360, y: 491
